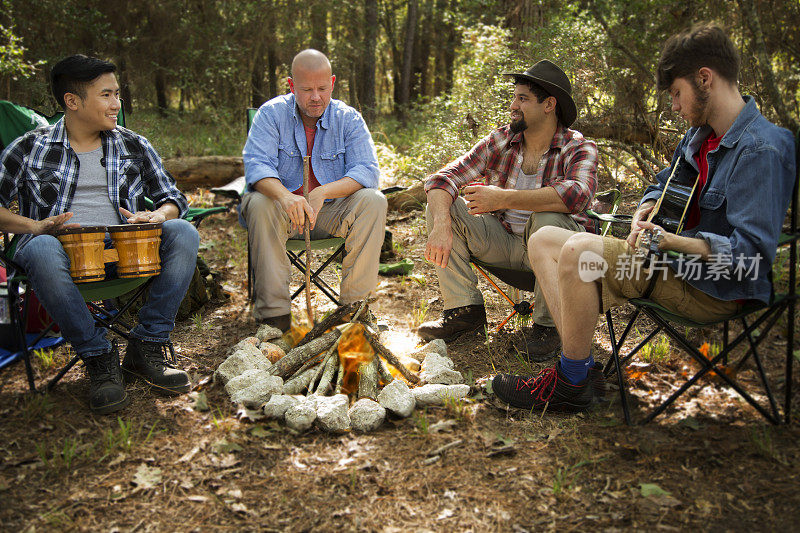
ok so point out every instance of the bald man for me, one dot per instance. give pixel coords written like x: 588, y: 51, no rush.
x: 343, y: 200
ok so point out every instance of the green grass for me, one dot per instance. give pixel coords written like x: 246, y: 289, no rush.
x: 125, y: 437
x: 656, y: 351
x: 191, y: 133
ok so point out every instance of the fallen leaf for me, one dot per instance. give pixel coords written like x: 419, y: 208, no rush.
x: 260, y: 432
x: 446, y: 513
x: 651, y: 489
x: 200, y: 402
x: 444, y: 425
x: 198, y: 498
x: 185, y: 458
x: 223, y: 446
x: 146, y: 477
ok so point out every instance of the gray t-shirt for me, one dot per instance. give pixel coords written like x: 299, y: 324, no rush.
x: 91, y: 205
x: 518, y: 218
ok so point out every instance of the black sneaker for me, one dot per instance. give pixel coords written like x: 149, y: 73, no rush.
x: 538, y: 344
x: 453, y: 323
x: 154, y: 363
x: 106, y: 391
x: 549, y: 389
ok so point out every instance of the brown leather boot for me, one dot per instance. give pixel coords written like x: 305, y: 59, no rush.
x: 538, y: 344
x: 453, y: 323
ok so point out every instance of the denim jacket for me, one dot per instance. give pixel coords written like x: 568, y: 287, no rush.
x: 276, y: 146
x: 743, y: 204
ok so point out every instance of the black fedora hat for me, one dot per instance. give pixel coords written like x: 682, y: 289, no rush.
x: 553, y: 80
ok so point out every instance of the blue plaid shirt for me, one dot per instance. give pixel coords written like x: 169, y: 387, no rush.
x: 40, y: 170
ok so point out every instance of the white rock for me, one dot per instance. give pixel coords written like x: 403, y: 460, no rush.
x: 444, y: 376
x: 437, y: 346
x: 397, y: 398
x: 267, y: 333
x: 239, y: 362
x: 301, y: 416
x: 249, y: 345
x: 332, y: 413
x: 366, y: 415
x: 436, y: 394
x: 244, y: 380
x: 434, y: 360
x: 278, y: 404
x: 259, y: 393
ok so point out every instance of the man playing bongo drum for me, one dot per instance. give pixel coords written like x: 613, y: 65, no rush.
x: 84, y: 170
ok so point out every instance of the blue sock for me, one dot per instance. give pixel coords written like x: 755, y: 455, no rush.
x: 575, y: 370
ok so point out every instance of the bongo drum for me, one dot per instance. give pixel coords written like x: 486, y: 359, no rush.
x: 84, y: 246
x: 137, y: 247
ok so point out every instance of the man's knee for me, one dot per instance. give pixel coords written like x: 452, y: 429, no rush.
x: 371, y: 201
x: 182, y: 233
x: 42, y: 248
x: 574, y: 249
x: 258, y: 210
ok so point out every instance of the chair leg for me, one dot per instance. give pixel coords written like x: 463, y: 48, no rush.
x: 623, y: 396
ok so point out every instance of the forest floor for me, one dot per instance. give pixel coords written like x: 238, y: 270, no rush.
x: 710, y: 463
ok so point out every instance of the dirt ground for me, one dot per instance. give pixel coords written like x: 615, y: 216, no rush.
x: 163, y: 465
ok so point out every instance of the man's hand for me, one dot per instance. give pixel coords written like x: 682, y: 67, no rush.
x: 636, y: 222
x: 440, y: 243
x: 483, y: 198
x: 143, y: 216
x: 52, y: 225
x: 298, y: 208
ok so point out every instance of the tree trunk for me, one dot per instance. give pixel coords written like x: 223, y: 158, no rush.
x: 319, y: 26
x: 408, y: 56
x: 257, y: 78
x: 368, y: 60
x: 124, y: 86
x: 161, y: 91
x: 272, y: 71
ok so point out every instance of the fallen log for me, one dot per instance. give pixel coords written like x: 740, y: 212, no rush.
x: 410, y: 199
x: 389, y: 356
x: 292, y: 361
x: 207, y: 172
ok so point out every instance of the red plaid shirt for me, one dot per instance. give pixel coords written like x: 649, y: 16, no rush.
x: 570, y: 168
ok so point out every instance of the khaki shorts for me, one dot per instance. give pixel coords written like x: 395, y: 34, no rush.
x: 672, y: 293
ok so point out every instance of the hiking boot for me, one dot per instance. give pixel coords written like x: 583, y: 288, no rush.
x: 453, y: 323
x: 549, y: 389
x: 106, y: 391
x: 154, y: 363
x: 538, y: 344
x: 282, y: 322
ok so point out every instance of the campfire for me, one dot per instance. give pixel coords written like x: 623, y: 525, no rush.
x: 338, y: 376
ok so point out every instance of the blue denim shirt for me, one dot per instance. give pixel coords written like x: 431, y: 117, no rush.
x: 276, y: 146
x: 742, y: 206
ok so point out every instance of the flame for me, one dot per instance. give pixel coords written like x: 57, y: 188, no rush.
x: 296, y: 332
x: 353, y: 351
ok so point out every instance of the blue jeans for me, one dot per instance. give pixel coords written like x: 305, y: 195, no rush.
x: 47, y: 266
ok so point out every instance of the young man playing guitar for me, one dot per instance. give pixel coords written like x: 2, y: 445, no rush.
x: 744, y: 167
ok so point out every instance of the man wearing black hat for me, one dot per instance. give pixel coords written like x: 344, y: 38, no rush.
x: 532, y: 173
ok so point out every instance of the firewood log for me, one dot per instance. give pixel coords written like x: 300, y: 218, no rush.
x: 389, y: 356
x: 368, y: 381
x: 333, y: 319
x: 292, y: 361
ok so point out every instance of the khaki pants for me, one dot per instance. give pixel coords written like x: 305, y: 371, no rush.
x: 359, y: 218
x: 485, y: 238
x: 672, y: 293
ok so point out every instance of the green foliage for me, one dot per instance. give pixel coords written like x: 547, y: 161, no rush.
x: 656, y: 351
x: 125, y: 437
x: 191, y: 133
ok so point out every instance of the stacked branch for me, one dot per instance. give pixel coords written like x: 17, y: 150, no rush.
x: 314, y: 365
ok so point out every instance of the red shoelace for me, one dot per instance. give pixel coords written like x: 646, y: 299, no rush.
x: 539, y: 383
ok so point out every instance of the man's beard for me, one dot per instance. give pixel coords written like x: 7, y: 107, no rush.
x: 518, y: 125
x: 699, y: 112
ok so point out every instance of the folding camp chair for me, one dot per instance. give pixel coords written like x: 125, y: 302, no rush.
x: 756, y: 323
x: 295, y: 248
x: 17, y: 305
x: 606, y: 201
